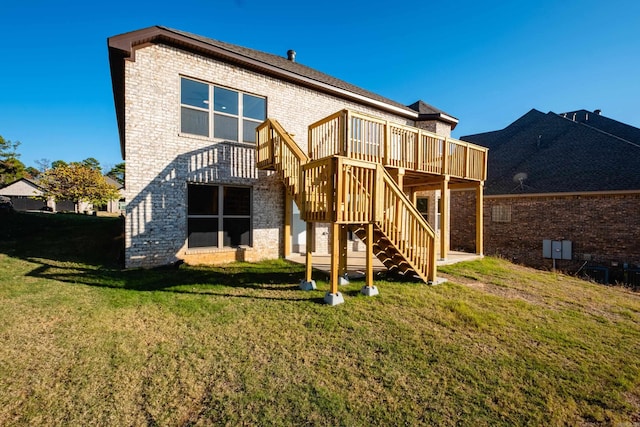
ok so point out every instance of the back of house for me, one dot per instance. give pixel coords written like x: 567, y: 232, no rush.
x: 187, y: 109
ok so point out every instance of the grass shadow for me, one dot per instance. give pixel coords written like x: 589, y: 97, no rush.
x: 87, y: 250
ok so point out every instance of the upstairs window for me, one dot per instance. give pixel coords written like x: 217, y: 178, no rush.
x: 209, y: 110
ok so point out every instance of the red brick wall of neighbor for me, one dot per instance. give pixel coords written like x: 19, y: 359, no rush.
x: 463, y: 221
x: 604, y: 229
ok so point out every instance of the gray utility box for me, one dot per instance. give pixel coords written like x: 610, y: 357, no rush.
x: 556, y: 249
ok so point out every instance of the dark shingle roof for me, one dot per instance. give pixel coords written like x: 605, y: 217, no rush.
x: 291, y: 66
x: 123, y: 46
x: 604, y: 124
x: 559, y: 155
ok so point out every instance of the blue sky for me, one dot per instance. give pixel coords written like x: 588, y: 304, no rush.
x: 486, y: 63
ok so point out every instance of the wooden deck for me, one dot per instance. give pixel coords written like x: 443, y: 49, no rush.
x: 362, y: 174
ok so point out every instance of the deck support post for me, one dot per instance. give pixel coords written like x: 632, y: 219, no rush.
x: 369, y: 289
x: 398, y: 177
x: 433, y: 263
x: 480, y: 218
x: 342, y: 268
x: 333, y: 297
x: 445, y: 204
x: 288, y: 218
x: 308, y: 283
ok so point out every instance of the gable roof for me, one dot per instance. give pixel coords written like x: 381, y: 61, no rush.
x: 123, y: 47
x: 22, y: 187
x: 113, y: 182
x: 559, y: 155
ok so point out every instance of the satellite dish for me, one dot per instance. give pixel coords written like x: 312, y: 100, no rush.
x: 519, y: 179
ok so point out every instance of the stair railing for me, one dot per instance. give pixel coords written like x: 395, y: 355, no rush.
x: 278, y: 151
x: 405, y: 226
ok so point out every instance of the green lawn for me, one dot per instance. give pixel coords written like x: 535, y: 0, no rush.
x: 84, y: 343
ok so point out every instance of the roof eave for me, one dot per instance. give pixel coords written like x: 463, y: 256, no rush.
x: 441, y: 117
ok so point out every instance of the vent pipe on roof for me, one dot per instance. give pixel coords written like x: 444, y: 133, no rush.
x: 291, y: 55
x: 598, y: 112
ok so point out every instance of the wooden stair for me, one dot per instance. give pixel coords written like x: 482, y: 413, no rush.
x: 387, y: 252
x: 354, y: 193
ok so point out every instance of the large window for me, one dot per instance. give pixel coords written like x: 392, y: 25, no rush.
x: 218, y: 216
x: 209, y: 110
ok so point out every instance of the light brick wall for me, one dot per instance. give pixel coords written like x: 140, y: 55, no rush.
x: 160, y: 161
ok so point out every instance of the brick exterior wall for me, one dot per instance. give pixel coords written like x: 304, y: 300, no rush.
x: 161, y: 161
x: 463, y: 221
x: 434, y: 126
x: 603, y: 228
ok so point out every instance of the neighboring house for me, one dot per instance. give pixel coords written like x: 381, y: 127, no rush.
x: 23, y: 194
x: 188, y: 108
x: 572, y: 177
x: 116, y: 205
x: 26, y: 195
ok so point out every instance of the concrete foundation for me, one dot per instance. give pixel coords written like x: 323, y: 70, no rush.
x: 307, y: 286
x: 333, y: 299
x: 369, y: 291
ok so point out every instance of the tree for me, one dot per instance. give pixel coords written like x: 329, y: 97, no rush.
x: 8, y: 149
x: 31, y: 172
x: 43, y: 164
x: 11, y: 168
x: 58, y: 163
x: 77, y: 183
x: 92, y: 163
x: 117, y: 172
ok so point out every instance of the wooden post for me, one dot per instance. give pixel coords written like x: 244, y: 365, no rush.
x: 346, y: 140
x: 413, y: 195
x: 419, y: 151
x: 309, y: 248
x: 288, y: 217
x: 343, y: 250
x: 466, y: 161
x: 480, y: 218
x: 431, y: 276
x: 335, y: 257
x: 369, y: 266
x: 445, y: 156
x: 398, y: 176
x: 378, y: 195
x: 444, y: 217
x: 387, y: 144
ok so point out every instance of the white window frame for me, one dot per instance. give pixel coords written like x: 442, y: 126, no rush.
x: 212, y: 112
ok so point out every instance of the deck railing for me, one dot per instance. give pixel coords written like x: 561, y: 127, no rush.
x: 362, y: 137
